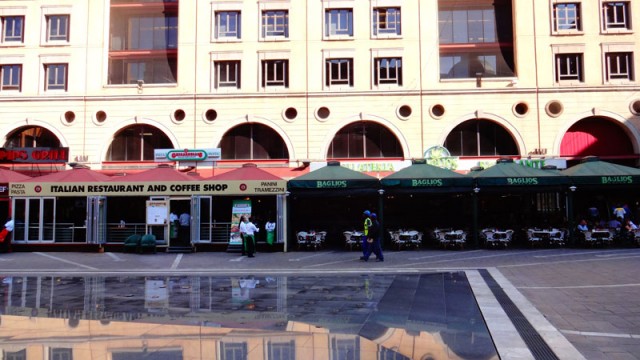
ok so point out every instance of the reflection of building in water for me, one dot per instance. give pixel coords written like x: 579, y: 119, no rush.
x: 298, y: 317
x: 27, y: 338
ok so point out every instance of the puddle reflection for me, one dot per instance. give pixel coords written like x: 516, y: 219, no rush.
x: 408, y: 316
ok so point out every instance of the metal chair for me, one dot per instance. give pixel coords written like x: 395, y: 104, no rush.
x: 302, y: 237
x: 533, y: 237
x: 349, y: 240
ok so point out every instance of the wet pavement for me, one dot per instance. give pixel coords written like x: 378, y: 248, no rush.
x: 425, y: 304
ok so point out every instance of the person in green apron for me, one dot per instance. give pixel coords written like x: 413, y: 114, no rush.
x: 271, y: 232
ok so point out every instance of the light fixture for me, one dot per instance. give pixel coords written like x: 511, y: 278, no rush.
x: 572, y: 188
x: 287, y: 193
x: 381, y: 191
x: 476, y: 190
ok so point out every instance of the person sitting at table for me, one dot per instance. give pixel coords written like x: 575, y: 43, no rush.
x: 582, y: 226
x: 615, y: 224
x: 627, y: 232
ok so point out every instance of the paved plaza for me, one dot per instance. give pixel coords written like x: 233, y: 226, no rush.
x: 580, y: 303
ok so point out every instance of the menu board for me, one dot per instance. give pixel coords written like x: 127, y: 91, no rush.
x: 157, y: 212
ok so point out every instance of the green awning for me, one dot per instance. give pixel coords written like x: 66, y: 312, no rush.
x: 333, y: 177
x: 508, y: 174
x: 593, y: 171
x: 421, y: 176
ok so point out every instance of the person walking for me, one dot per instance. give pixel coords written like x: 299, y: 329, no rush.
x: 5, y: 236
x: 250, y: 230
x: 185, y: 229
x: 375, y: 239
x: 365, y: 232
x: 242, y: 228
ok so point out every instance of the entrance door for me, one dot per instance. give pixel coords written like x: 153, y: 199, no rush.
x: 182, y: 207
x: 201, y: 224
x: 96, y: 219
x: 35, y: 220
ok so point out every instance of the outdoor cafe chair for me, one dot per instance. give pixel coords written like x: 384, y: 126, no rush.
x: 534, y: 237
x: 302, y: 238
x: 487, y: 236
x: 557, y: 237
x: 350, y: 240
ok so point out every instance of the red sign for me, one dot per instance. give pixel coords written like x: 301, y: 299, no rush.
x: 34, y: 155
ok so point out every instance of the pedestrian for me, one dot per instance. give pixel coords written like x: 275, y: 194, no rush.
x: 183, y: 233
x: 5, y: 235
x: 250, y: 229
x: 173, y: 225
x: 367, y: 224
x: 270, y: 227
x: 374, y: 239
x: 242, y: 228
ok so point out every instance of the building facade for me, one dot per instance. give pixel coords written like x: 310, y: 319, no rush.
x: 282, y: 82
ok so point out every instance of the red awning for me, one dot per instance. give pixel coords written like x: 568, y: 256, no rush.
x: 246, y: 172
x: 73, y: 175
x: 7, y: 176
x: 595, y: 137
x: 160, y: 173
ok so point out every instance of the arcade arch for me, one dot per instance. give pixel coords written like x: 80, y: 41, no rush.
x: 364, y: 139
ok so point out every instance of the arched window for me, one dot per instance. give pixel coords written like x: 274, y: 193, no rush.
x: 480, y: 138
x: 596, y: 136
x: 253, y: 142
x: 137, y: 143
x: 32, y: 136
x: 364, y: 139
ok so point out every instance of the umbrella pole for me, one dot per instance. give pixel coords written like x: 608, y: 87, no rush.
x: 474, y: 221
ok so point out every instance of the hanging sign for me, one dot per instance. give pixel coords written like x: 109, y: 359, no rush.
x: 162, y: 155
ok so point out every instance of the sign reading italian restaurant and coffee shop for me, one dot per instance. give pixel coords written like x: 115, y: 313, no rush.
x: 139, y: 188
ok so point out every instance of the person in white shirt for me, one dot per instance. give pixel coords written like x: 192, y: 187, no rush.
x: 242, y: 228
x: 249, y: 231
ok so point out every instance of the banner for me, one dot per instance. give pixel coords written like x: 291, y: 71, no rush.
x: 238, y: 209
x: 150, y: 188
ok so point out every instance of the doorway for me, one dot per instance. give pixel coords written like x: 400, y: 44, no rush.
x: 180, y: 226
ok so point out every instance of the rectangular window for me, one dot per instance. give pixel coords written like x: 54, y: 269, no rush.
x: 386, y: 21
x: 228, y: 25
x: 57, y: 27
x: 566, y: 17
x: 388, y: 71
x: 275, y: 73
x: 339, y: 72
x: 569, y: 67
x: 338, y: 22
x: 60, y: 354
x: 615, y: 15
x: 275, y: 23
x: 619, y: 66
x: 151, y: 71
x: 476, y: 39
x: 11, y: 77
x: 12, y: 29
x: 150, y: 32
x: 227, y: 74
x: 56, y: 75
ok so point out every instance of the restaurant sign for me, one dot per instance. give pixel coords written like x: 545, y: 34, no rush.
x: 161, y: 155
x: 231, y: 187
x: 34, y: 155
x: 617, y: 180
